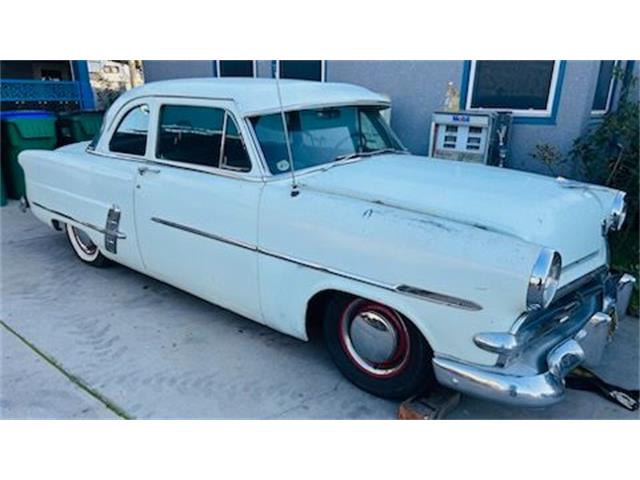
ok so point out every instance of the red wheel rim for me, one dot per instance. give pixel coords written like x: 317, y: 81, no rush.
x: 374, y: 338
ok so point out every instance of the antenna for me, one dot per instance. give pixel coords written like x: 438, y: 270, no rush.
x: 285, y: 128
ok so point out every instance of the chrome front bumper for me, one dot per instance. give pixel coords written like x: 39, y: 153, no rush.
x: 532, y: 375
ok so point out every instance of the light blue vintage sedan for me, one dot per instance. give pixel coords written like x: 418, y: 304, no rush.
x: 297, y: 206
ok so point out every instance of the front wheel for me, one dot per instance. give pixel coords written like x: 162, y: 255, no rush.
x: 377, y: 349
x: 84, y: 248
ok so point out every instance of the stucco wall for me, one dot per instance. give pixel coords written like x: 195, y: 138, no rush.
x: 416, y: 88
x: 155, y: 70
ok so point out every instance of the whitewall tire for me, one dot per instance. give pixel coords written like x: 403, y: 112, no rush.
x: 83, y: 246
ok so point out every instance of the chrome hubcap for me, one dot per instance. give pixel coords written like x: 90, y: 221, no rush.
x: 84, y: 241
x: 375, y: 338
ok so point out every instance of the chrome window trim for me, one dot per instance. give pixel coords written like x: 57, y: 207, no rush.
x: 118, y: 156
x: 313, y: 106
x: 429, y: 296
x: 222, y: 141
x: 218, y: 172
x: 117, y: 121
x: 264, y: 169
x: 205, y: 168
x: 269, y: 176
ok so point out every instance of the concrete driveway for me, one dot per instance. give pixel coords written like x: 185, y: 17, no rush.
x: 81, y: 342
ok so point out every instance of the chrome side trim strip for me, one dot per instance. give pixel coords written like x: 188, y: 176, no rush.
x: 202, y: 233
x: 433, y: 297
x: 103, y: 231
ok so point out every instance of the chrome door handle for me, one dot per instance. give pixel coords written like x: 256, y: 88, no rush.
x: 143, y: 170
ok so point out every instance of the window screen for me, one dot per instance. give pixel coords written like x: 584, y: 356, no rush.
x: 190, y: 134
x: 235, y: 68
x: 131, y: 135
x: 605, y: 77
x: 512, y: 85
x: 301, y: 69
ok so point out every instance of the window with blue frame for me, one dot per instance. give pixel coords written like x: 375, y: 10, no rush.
x: 301, y: 69
x: 527, y: 88
x: 604, y: 87
x: 236, y: 68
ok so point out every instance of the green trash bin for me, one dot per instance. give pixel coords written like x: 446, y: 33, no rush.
x: 23, y: 131
x: 78, y: 126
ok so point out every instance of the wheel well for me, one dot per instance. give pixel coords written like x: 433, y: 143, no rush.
x: 316, y: 307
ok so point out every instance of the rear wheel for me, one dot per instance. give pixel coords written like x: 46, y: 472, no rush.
x: 84, y: 248
x: 376, y: 348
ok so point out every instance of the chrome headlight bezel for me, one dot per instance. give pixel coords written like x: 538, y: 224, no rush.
x: 544, y: 279
x: 618, y: 213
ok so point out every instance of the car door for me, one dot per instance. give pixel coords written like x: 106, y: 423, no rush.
x: 100, y: 184
x: 196, y: 204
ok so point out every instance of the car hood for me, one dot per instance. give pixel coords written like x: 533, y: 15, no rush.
x: 534, y: 208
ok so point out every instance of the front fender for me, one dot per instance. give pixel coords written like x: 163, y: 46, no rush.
x: 391, y: 246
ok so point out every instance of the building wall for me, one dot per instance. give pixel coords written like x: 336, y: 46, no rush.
x: 573, y: 116
x: 416, y: 90
x: 155, y: 70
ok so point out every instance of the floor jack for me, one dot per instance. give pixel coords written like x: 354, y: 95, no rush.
x: 583, y: 379
x: 439, y: 402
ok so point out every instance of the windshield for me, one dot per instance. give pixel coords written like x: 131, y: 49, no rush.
x: 322, y: 136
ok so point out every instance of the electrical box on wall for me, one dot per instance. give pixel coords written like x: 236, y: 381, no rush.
x: 477, y: 137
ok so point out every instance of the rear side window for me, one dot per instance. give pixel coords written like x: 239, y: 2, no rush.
x: 195, y: 135
x: 131, y: 135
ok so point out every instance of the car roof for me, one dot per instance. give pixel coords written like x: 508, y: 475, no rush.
x: 260, y: 95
